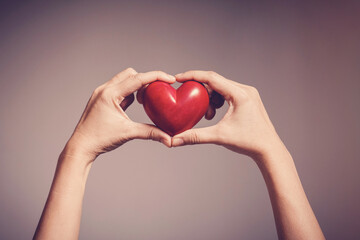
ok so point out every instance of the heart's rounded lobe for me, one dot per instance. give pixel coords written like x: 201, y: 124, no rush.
x: 175, y: 110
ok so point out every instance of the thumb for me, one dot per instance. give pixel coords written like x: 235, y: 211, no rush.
x: 147, y: 131
x: 194, y: 136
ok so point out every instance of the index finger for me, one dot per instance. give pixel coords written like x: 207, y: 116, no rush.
x: 214, y: 80
x: 135, y: 82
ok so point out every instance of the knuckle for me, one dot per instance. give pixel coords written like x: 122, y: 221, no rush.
x: 241, y: 94
x: 193, y: 138
x: 106, y: 92
x: 130, y: 70
x: 138, y: 78
x: 248, y: 94
x: 212, y: 74
x: 191, y: 73
x: 97, y: 91
x: 253, y: 89
x: 159, y: 73
x: 151, y: 134
x: 253, y: 92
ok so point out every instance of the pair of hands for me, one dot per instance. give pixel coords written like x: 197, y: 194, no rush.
x: 245, y: 128
x: 104, y: 125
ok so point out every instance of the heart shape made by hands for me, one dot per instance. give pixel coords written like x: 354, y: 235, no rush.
x: 175, y: 110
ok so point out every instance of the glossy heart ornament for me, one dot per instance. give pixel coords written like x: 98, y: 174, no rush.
x: 175, y: 110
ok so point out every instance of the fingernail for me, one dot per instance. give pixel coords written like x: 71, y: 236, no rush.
x: 177, y: 142
x: 171, y: 77
x: 178, y: 75
x: 165, y: 142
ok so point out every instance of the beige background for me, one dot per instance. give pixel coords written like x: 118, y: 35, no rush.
x: 304, y: 57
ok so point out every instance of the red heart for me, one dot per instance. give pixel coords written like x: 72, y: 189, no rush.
x: 175, y: 110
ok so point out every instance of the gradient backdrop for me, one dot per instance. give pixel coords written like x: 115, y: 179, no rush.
x: 303, y: 56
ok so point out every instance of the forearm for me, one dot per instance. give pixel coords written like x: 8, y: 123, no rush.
x: 293, y: 214
x: 62, y: 213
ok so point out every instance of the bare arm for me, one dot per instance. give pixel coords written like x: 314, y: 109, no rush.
x: 292, y: 211
x: 247, y: 129
x: 103, y: 127
x: 62, y: 212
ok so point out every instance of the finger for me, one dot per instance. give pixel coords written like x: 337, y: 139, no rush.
x: 122, y: 75
x: 147, y: 131
x: 216, y: 99
x: 194, y: 136
x: 127, y: 101
x: 138, y: 80
x: 140, y: 93
x: 210, y: 113
x: 214, y: 80
x: 208, y: 88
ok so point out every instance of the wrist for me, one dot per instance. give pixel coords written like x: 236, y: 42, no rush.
x: 81, y: 145
x: 77, y: 150
x: 272, y: 154
x: 74, y: 162
x: 276, y: 164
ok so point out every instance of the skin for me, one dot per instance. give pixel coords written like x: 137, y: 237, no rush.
x: 245, y: 129
x: 102, y: 127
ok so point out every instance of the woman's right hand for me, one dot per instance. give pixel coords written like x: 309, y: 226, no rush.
x: 246, y: 127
